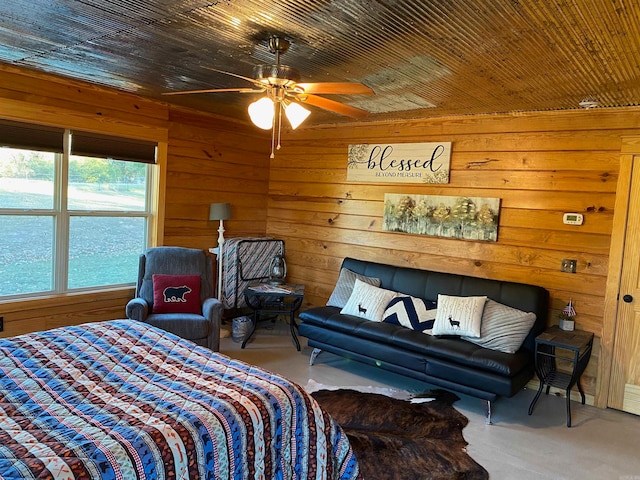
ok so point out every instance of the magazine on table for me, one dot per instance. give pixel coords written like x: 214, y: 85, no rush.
x: 268, y: 288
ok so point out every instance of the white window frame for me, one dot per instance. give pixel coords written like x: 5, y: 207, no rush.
x: 62, y: 215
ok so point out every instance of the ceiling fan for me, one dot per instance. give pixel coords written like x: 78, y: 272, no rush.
x: 283, y: 92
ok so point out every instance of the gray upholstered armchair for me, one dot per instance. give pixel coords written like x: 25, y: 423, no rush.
x: 200, y: 322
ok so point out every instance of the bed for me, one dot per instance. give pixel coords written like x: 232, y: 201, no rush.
x: 125, y: 400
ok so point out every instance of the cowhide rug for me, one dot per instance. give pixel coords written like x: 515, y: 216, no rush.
x: 396, y: 439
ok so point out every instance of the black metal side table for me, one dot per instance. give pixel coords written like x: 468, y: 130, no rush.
x: 573, y: 347
x: 284, y: 299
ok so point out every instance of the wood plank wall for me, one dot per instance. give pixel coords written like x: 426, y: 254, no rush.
x: 209, y: 160
x: 541, y: 166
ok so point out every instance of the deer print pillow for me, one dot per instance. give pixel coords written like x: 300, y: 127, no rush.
x: 459, y: 316
x: 367, y: 301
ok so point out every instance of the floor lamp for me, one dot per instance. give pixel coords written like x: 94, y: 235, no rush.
x: 222, y: 212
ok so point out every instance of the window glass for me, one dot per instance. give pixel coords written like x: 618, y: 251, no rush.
x: 104, y: 250
x: 106, y: 184
x: 26, y: 254
x: 71, y: 222
x: 26, y: 179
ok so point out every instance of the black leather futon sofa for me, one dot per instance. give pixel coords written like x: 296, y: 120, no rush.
x: 448, y: 362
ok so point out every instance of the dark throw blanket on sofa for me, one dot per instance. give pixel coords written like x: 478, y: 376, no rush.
x: 396, y: 439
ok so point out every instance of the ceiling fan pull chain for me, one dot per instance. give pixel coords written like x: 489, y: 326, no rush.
x: 279, y: 124
x: 273, y: 131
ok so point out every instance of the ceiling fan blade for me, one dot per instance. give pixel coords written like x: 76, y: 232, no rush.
x: 344, y: 88
x: 333, y: 106
x: 217, y: 90
x: 252, y: 80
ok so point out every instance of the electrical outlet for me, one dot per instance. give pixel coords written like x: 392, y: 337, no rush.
x: 568, y: 265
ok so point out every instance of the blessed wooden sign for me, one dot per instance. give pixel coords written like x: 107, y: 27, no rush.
x: 399, y: 163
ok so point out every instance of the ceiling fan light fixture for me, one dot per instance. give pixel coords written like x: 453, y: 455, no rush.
x: 261, y: 113
x: 296, y: 113
x: 283, y: 93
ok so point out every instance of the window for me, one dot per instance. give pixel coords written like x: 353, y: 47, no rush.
x: 75, y: 209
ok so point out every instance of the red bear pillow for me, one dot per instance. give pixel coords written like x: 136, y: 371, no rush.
x: 176, y: 294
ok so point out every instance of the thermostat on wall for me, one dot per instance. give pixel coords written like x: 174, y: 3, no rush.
x: 573, y: 218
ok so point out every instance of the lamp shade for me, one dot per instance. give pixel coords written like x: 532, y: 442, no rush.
x: 219, y: 211
x: 261, y: 113
x: 296, y: 114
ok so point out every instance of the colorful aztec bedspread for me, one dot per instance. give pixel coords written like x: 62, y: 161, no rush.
x: 124, y: 400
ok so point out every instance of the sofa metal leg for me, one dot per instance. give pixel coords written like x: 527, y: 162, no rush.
x: 314, y: 355
x: 487, y: 411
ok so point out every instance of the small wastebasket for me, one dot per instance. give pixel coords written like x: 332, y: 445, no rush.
x: 240, y: 328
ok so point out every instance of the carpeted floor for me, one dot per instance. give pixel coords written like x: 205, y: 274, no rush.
x: 601, y: 444
x: 396, y: 439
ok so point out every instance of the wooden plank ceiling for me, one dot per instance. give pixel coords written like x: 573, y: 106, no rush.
x: 422, y: 58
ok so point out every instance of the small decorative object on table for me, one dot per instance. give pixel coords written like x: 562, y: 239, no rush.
x: 277, y: 270
x: 567, y: 317
x: 282, y: 299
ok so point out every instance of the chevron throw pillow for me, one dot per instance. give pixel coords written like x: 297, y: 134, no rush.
x: 411, y: 312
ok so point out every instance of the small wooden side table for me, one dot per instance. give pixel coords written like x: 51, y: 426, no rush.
x: 574, y: 347
x: 284, y: 299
